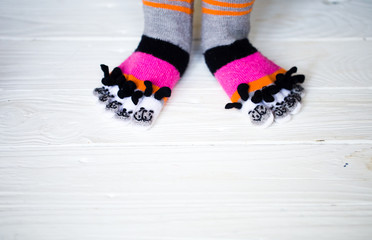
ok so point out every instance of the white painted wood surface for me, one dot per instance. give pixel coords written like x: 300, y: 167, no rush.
x: 70, y: 171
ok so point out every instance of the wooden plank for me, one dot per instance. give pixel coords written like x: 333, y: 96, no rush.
x: 296, y: 19
x: 69, y: 171
x: 190, y: 117
x: 71, y: 65
x: 236, y: 168
x: 229, y: 192
x: 85, y: 19
x: 316, y: 20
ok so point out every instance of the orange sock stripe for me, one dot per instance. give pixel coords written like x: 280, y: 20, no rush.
x: 229, y: 5
x: 186, y: 1
x: 168, y: 6
x: 225, y: 13
x: 141, y: 84
x: 258, y: 84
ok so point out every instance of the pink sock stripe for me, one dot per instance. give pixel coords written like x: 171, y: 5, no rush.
x: 144, y: 66
x: 244, y: 70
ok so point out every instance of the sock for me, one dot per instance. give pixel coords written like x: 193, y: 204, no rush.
x: 262, y: 90
x: 138, y: 88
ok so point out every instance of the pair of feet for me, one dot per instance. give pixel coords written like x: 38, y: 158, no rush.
x: 137, y: 89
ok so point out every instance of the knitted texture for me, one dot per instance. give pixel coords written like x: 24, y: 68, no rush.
x: 224, y: 22
x: 170, y: 21
x: 137, y: 89
x: 249, y: 79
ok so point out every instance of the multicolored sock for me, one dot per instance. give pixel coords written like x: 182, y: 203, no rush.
x: 261, y: 89
x: 137, y: 89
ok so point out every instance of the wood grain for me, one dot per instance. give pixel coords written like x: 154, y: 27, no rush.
x: 225, y: 193
x: 69, y: 171
x: 97, y: 20
x: 190, y: 117
x: 56, y: 65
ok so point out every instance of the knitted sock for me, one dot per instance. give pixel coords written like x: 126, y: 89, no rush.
x: 137, y: 89
x: 261, y: 89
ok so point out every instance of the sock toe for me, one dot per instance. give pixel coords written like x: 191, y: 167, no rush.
x: 126, y: 110
x: 298, y: 89
x: 258, y: 114
x: 297, y: 109
x: 292, y: 101
x: 103, y: 94
x: 147, y: 112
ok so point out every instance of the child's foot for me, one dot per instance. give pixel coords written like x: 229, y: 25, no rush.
x: 263, y: 91
x: 137, y: 90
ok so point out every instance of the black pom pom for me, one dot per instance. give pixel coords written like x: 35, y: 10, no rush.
x: 267, y: 93
x: 233, y: 105
x: 273, y: 89
x: 116, y: 73
x: 130, y: 85
x: 291, y: 71
x: 136, y: 96
x: 121, y: 94
x: 105, y: 70
x: 287, y: 81
x: 127, y: 90
x: 283, y: 82
x: 148, y: 91
x: 268, y: 98
x: 257, y: 97
x: 298, y: 79
x: 106, y: 75
x: 162, y: 93
x: 120, y: 81
x: 280, y: 77
x: 110, y: 79
x: 243, y: 91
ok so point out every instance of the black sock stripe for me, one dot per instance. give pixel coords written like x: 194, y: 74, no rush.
x: 166, y: 51
x: 218, y: 57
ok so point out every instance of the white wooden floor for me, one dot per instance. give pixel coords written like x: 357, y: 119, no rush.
x: 70, y: 171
